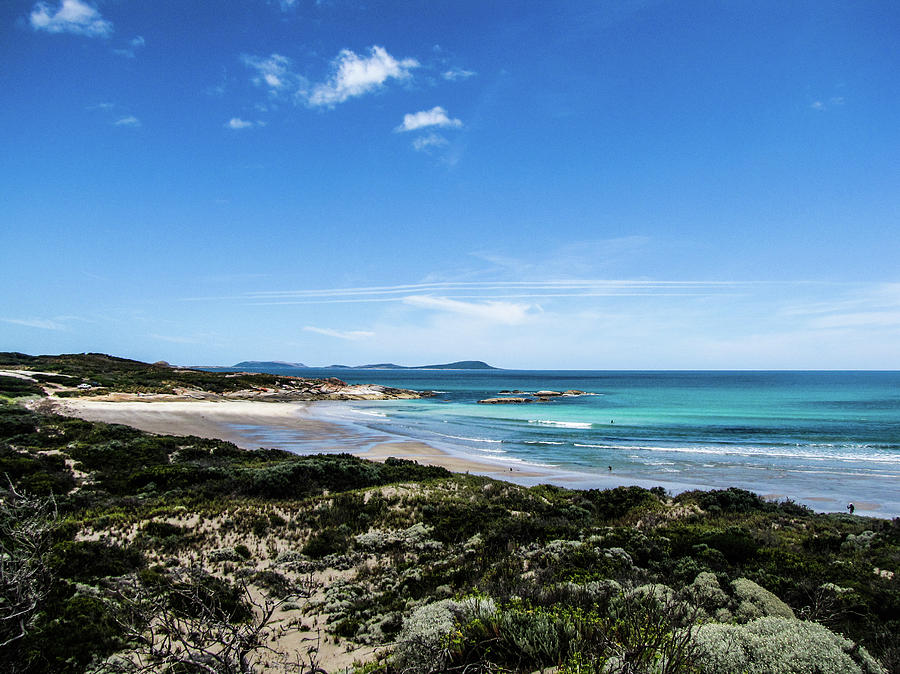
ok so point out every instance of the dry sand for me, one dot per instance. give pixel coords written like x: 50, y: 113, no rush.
x: 222, y: 419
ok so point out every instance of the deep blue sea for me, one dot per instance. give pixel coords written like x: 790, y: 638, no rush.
x: 820, y: 438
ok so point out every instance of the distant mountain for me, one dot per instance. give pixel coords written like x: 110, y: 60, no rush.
x: 256, y: 364
x: 458, y: 365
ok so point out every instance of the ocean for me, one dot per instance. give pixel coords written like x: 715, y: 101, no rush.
x: 823, y: 439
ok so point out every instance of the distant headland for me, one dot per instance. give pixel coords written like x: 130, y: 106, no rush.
x: 457, y: 365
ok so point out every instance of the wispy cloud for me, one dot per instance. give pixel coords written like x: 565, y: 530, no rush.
x: 130, y: 51
x: 351, y: 335
x: 867, y: 305
x: 274, y: 72
x: 492, y: 311
x: 354, y: 75
x: 490, y: 290
x: 437, y: 116
x: 429, y: 142
x: 826, y: 104
x: 130, y: 120
x: 40, y: 323
x: 70, y: 16
x: 455, y: 74
x: 237, y: 124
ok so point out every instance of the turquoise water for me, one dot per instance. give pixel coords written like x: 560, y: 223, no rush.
x: 820, y: 438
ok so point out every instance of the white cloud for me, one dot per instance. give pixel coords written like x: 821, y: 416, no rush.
x: 493, y: 311
x: 71, y: 16
x: 352, y: 75
x: 341, y: 334
x: 832, y: 102
x: 130, y: 120
x: 40, y: 323
x: 274, y: 73
x: 455, y: 74
x: 238, y: 123
x: 133, y: 45
x: 355, y: 75
x: 437, y: 116
x: 425, y: 143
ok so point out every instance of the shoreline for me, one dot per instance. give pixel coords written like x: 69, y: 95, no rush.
x: 243, y: 422
x: 296, y: 427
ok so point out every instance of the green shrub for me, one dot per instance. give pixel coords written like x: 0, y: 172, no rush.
x: 87, y: 560
x: 781, y: 645
x: 70, y: 634
x: 327, y: 542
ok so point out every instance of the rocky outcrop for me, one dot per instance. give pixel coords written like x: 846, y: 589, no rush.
x: 548, y: 394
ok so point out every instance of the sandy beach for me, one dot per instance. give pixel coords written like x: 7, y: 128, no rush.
x: 239, y: 421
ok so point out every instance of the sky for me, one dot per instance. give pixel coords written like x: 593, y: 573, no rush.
x: 540, y: 185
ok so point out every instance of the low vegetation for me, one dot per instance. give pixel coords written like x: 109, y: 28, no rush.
x: 109, y: 373
x: 123, y: 551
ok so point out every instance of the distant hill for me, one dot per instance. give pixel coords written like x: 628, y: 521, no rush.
x: 267, y: 363
x: 280, y: 364
x: 458, y: 365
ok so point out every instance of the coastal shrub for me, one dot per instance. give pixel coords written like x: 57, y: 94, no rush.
x: 731, y: 500
x: 276, y: 584
x: 754, y: 601
x: 15, y: 387
x: 87, y: 560
x: 197, y: 593
x: 416, y: 537
x: 158, y: 529
x: 707, y: 594
x: 424, y: 640
x: 39, y: 474
x: 856, y: 542
x: 735, y: 543
x: 783, y: 645
x: 223, y: 555
x: 327, y: 542
x: 618, y: 503
x: 15, y: 422
x: 70, y: 633
x: 259, y: 524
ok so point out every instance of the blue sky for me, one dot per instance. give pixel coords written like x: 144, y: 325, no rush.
x: 539, y: 185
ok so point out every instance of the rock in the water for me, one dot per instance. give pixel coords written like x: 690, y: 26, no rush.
x: 547, y: 394
x: 506, y: 401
